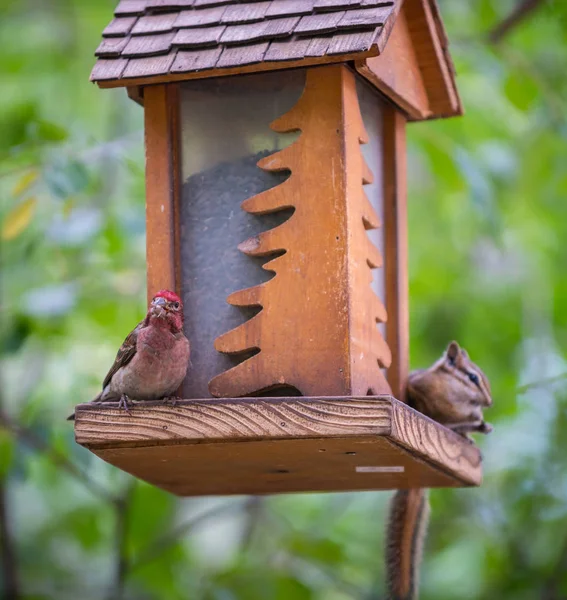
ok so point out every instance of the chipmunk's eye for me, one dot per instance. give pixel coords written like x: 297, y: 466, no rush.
x: 474, y: 378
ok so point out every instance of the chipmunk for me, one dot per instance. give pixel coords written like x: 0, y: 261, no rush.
x: 453, y: 392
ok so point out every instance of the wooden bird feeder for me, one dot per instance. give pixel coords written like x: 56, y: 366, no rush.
x: 276, y: 207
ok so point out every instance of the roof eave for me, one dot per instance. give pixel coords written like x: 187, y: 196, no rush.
x: 240, y: 70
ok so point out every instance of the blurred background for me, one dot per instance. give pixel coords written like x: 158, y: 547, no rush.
x: 488, y: 252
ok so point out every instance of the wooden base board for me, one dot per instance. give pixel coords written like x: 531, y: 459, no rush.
x: 278, y: 445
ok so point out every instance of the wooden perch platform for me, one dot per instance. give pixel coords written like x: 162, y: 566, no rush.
x: 275, y: 445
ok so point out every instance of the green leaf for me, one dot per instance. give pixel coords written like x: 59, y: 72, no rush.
x: 6, y: 452
x: 86, y: 527
x: 521, y: 90
x: 51, y: 132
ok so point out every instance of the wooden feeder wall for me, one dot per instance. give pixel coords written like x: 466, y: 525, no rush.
x: 276, y: 207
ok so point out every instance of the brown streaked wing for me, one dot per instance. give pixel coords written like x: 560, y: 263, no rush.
x: 125, y: 353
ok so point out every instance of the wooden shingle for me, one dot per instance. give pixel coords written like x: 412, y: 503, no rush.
x: 119, y: 27
x: 105, y: 69
x: 130, y: 7
x: 198, y: 37
x: 344, y: 43
x: 148, y: 45
x: 319, y: 23
x: 112, y: 46
x: 248, y: 12
x: 290, y: 7
x: 318, y: 46
x: 200, y: 18
x: 160, y: 23
x: 150, y: 66
x: 365, y: 17
x: 274, y: 28
x: 196, y: 60
x: 237, y: 56
x: 292, y: 49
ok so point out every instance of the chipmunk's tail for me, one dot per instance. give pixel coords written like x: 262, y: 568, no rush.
x: 405, y: 535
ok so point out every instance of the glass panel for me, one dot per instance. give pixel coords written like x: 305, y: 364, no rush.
x: 371, y: 110
x: 224, y: 132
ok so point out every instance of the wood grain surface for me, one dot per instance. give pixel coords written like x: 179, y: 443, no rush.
x: 159, y: 115
x: 276, y: 445
x: 368, y: 349
x: 396, y: 243
x: 396, y: 72
x: 427, y: 439
x: 277, y: 466
x: 236, y: 419
x: 433, y: 59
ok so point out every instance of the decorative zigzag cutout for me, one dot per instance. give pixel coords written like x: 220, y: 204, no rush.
x: 316, y: 329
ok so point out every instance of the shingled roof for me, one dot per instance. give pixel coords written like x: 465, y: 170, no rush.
x: 150, y: 38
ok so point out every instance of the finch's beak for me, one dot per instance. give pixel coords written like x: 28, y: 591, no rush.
x: 158, y: 306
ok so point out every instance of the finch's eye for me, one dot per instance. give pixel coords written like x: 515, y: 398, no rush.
x: 176, y: 305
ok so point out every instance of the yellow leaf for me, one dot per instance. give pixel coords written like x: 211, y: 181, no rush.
x: 25, y: 182
x: 18, y: 219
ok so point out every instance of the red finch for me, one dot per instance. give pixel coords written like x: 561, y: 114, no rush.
x: 153, y: 360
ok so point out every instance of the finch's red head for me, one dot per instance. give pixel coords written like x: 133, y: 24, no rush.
x: 167, y: 306
x: 169, y: 296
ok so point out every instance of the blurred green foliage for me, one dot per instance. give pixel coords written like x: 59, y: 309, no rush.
x: 488, y: 224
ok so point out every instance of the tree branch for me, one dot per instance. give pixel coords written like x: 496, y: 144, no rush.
x: 550, y: 591
x: 255, y: 511
x: 522, y: 10
x: 9, y: 561
x: 122, y: 565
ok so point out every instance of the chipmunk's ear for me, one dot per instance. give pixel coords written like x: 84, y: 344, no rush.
x: 452, y: 352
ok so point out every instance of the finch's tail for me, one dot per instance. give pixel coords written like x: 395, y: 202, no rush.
x: 97, y: 398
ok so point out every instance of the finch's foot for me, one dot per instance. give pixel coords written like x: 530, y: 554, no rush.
x: 125, y: 403
x: 173, y: 400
